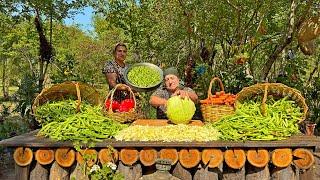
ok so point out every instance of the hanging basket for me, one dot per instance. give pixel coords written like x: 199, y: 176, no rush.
x: 214, y: 111
x: 309, y: 29
x: 277, y: 90
x: 123, y: 117
x: 67, y: 90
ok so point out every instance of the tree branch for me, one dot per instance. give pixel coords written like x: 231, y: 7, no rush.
x: 279, y: 48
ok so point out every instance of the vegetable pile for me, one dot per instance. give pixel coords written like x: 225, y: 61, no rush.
x: 180, y: 110
x: 89, y: 125
x: 169, y: 133
x: 144, y: 76
x: 220, y: 98
x: 124, y: 106
x: 248, y: 123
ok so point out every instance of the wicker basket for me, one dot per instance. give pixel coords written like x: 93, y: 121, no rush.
x: 214, y: 112
x: 74, y: 90
x: 122, y: 117
x: 277, y: 90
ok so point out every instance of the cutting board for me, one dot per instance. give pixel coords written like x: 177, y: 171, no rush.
x: 162, y: 122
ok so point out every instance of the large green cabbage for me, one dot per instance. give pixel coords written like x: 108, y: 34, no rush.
x: 180, y: 111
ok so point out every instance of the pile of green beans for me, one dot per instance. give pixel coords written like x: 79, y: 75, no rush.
x: 144, y: 76
x: 58, y: 110
x: 84, y: 127
x: 248, y: 123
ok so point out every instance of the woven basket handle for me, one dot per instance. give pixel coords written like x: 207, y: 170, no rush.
x: 78, y: 102
x: 111, y: 94
x: 211, y: 83
x: 264, y: 99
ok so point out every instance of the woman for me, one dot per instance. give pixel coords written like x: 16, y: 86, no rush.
x: 171, y: 88
x: 114, y: 70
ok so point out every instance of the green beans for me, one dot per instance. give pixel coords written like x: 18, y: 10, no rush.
x: 87, y: 126
x: 248, y: 123
x: 144, y: 76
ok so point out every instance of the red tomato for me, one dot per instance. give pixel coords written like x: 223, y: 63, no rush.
x: 115, y: 104
x: 123, y: 109
x: 126, y: 105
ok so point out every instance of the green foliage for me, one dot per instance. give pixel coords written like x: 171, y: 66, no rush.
x: 12, y: 127
x: 106, y: 172
x: 26, y: 93
x: 144, y: 106
x: 312, y: 95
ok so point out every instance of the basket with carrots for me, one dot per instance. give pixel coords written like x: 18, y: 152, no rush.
x: 218, y: 104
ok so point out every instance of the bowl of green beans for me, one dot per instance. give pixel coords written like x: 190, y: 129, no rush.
x: 143, y: 77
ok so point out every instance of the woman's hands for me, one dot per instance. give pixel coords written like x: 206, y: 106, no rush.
x: 183, y: 94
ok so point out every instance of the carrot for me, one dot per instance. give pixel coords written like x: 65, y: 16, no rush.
x: 303, y: 158
x: 282, y: 157
x: 108, y: 155
x: 23, y: 156
x: 44, y: 156
x: 148, y: 156
x: 258, y: 157
x: 212, y: 157
x: 129, y: 156
x: 189, y: 158
x: 169, y: 153
x: 205, y: 101
x: 65, y: 156
x: 235, y: 158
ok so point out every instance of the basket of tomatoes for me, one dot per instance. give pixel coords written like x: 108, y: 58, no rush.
x: 218, y: 104
x: 122, y: 111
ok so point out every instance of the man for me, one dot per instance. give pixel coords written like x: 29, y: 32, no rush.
x: 171, y: 88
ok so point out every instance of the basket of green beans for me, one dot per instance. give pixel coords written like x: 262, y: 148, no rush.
x: 143, y: 77
x: 64, y: 91
x: 276, y: 91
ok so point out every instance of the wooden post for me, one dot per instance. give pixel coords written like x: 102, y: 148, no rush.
x: 206, y: 173
x: 77, y: 172
x: 133, y: 172
x: 58, y: 172
x: 181, y: 172
x: 22, y: 172
x: 315, y: 170
x: 39, y: 172
x: 257, y: 173
x: 233, y: 174
x: 283, y: 173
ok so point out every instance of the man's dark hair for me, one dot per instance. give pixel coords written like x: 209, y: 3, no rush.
x: 117, y: 45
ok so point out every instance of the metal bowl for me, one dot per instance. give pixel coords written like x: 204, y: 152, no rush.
x: 139, y: 88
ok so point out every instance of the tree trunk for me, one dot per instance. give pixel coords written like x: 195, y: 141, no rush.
x: 233, y: 174
x: 22, y: 172
x: 206, y: 173
x: 254, y: 173
x: 283, y: 173
x: 45, y: 51
x: 182, y: 173
x: 4, y: 80
x: 39, y: 172
x: 58, y: 172
x: 133, y: 172
x: 77, y: 172
x: 286, y: 41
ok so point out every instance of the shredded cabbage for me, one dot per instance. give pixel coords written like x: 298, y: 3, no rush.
x: 179, y: 110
